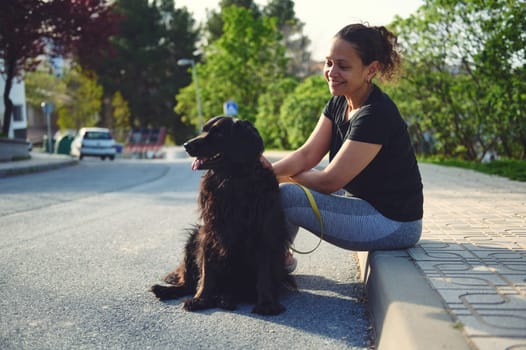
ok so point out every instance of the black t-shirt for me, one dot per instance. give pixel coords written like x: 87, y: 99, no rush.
x: 391, y: 182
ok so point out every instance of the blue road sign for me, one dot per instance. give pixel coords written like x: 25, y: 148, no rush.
x: 230, y: 108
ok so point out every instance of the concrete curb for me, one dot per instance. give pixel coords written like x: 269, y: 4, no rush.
x: 405, y: 311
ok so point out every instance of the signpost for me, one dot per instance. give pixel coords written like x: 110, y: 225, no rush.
x: 47, y: 108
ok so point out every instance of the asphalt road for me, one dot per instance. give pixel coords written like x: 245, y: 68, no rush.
x: 80, y: 246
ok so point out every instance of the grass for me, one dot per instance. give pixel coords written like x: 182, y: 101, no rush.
x: 510, y: 168
x: 458, y: 325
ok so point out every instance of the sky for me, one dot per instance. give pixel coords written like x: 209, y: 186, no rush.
x: 323, y: 18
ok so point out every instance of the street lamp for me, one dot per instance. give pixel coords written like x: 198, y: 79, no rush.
x: 188, y: 62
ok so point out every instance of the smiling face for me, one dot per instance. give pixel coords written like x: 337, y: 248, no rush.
x: 344, y: 70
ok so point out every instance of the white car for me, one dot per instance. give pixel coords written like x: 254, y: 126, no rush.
x: 94, y: 142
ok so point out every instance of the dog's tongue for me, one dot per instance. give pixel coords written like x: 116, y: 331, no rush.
x: 196, y: 164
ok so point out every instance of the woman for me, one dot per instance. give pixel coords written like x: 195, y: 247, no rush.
x: 371, y: 157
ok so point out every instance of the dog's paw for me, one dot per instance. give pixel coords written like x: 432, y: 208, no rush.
x: 196, y: 304
x: 226, y: 303
x: 268, y: 309
x: 162, y: 292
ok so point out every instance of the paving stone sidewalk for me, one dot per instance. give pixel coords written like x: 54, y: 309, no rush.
x: 473, y: 253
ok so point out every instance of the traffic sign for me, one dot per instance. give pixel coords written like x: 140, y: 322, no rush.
x: 230, y: 107
x: 47, y: 107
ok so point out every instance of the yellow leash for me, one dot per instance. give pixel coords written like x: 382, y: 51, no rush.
x: 316, y: 211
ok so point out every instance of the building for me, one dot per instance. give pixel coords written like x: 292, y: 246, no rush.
x: 18, y: 128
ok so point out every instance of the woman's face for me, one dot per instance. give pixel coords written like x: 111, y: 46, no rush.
x: 344, y: 69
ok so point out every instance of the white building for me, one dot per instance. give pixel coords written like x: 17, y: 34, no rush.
x: 18, y: 128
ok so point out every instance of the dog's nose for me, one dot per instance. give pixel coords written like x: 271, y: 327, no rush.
x: 191, y: 145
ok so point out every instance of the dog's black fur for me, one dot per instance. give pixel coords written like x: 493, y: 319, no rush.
x: 237, y: 253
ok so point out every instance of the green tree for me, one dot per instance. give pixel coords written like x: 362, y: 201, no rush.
x: 152, y: 37
x: 121, y: 112
x: 499, y: 66
x: 76, y: 95
x: 214, y: 23
x: 302, y: 108
x: 121, y: 117
x: 268, y: 120
x: 82, y: 106
x: 41, y: 86
x: 465, y: 75
x: 238, y: 66
x: 32, y: 28
x: 291, y: 28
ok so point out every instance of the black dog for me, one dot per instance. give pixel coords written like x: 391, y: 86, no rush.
x: 237, y: 254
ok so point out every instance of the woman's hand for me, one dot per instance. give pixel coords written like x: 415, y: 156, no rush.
x: 265, y: 162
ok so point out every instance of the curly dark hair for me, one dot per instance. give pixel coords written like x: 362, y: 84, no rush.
x: 374, y: 44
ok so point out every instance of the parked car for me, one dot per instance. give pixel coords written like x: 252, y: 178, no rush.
x: 93, y: 142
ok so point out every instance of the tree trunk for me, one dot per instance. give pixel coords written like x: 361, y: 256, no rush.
x: 106, y: 110
x: 8, y: 107
x: 7, y: 101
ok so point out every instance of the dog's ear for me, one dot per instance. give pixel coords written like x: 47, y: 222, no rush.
x: 211, y: 122
x: 249, y: 138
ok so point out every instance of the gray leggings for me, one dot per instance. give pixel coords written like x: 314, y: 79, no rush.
x: 348, y: 222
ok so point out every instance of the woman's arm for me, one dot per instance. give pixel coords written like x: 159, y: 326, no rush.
x: 309, y: 154
x: 351, y: 159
